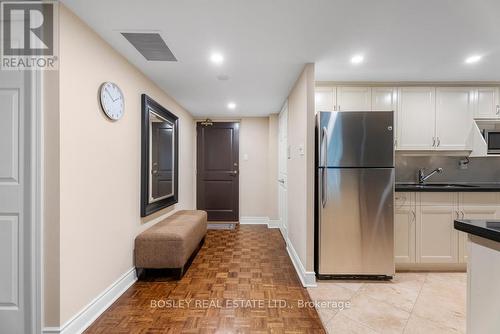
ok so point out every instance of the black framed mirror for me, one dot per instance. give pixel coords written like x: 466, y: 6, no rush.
x: 159, y: 157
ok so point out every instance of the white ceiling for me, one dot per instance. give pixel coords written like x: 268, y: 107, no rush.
x: 267, y: 42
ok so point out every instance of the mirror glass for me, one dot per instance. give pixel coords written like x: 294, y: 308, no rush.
x: 161, y: 157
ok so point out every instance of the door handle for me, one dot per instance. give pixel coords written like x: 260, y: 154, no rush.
x: 282, y: 181
x: 324, y: 146
x: 323, y: 187
x: 234, y: 172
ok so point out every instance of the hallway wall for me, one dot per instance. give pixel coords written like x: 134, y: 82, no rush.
x: 100, y: 166
x: 300, y: 168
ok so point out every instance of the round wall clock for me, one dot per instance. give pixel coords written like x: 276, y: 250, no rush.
x: 111, y: 99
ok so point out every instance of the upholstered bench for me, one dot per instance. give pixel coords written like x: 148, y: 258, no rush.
x: 171, y: 243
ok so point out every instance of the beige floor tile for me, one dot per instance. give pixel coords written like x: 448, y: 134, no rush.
x: 396, y: 295
x: 375, y: 314
x: 329, y: 292
x: 418, y: 325
x: 341, y: 324
x: 443, y: 301
x: 423, y: 302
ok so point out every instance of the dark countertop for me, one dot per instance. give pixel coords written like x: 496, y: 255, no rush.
x: 488, y: 229
x: 449, y: 187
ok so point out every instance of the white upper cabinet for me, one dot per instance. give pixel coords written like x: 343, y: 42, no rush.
x: 416, y: 118
x: 325, y: 98
x: 487, y: 103
x: 354, y: 98
x: 384, y: 98
x: 454, y: 117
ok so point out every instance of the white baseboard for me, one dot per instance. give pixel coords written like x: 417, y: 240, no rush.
x: 307, y: 278
x: 274, y: 223
x: 254, y: 220
x: 271, y: 223
x: 92, y: 311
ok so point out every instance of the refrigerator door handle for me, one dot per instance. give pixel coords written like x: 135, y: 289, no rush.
x: 323, y: 187
x: 324, y: 147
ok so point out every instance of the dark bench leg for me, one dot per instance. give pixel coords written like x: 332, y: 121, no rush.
x: 140, y: 272
x: 179, y: 273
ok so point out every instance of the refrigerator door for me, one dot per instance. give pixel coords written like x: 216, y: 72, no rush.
x: 356, y: 139
x: 356, y: 211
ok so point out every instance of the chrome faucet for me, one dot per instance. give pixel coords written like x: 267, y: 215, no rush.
x: 422, y: 177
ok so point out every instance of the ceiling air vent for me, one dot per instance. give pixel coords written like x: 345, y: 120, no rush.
x: 150, y: 45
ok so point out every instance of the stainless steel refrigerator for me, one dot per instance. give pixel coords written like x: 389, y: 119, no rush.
x: 355, y: 195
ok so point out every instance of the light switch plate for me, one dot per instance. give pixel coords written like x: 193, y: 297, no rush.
x: 301, y: 150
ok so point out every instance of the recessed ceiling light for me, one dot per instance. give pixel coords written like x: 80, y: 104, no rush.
x: 357, y: 59
x: 231, y: 106
x: 473, y: 59
x: 217, y: 58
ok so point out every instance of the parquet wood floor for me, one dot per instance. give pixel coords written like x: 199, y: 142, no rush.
x: 247, y: 267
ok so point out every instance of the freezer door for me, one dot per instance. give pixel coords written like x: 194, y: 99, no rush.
x: 355, y: 139
x: 356, y: 228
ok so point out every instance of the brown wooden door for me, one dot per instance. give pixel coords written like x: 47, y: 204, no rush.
x: 218, y: 170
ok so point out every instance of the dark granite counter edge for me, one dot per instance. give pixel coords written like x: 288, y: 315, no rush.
x: 477, y: 230
x: 479, y: 188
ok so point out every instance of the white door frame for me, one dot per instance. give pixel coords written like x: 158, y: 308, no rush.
x: 35, y: 157
x: 283, y: 214
x: 37, y: 195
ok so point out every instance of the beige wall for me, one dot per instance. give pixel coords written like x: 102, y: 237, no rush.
x: 100, y: 165
x: 254, y: 141
x: 51, y: 208
x: 300, y: 168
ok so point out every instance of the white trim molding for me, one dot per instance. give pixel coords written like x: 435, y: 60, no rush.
x: 254, y: 220
x: 307, y: 278
x: 83, y: 319
x: 271, y: 223
x: 274, y: 223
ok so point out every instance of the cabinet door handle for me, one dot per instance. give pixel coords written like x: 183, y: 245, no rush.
x: 463, y: 215
x: 438, y: 141
x: 433, y: 141
x: 414, y: 216
x: 498, y: 109
x: 457, y: 214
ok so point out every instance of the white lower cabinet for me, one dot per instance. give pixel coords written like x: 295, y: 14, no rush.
x: 423, y: 225
x: 404, y: 234
x: 437, y: 240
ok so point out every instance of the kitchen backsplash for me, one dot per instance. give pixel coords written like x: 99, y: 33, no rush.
x: 479, y: 170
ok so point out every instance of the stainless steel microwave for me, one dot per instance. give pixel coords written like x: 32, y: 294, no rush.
x: 492, y: 138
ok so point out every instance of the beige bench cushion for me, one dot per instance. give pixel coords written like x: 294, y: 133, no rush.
x: 170, y: 243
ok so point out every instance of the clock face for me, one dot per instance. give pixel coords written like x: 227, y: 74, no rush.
x: 112, y: 102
